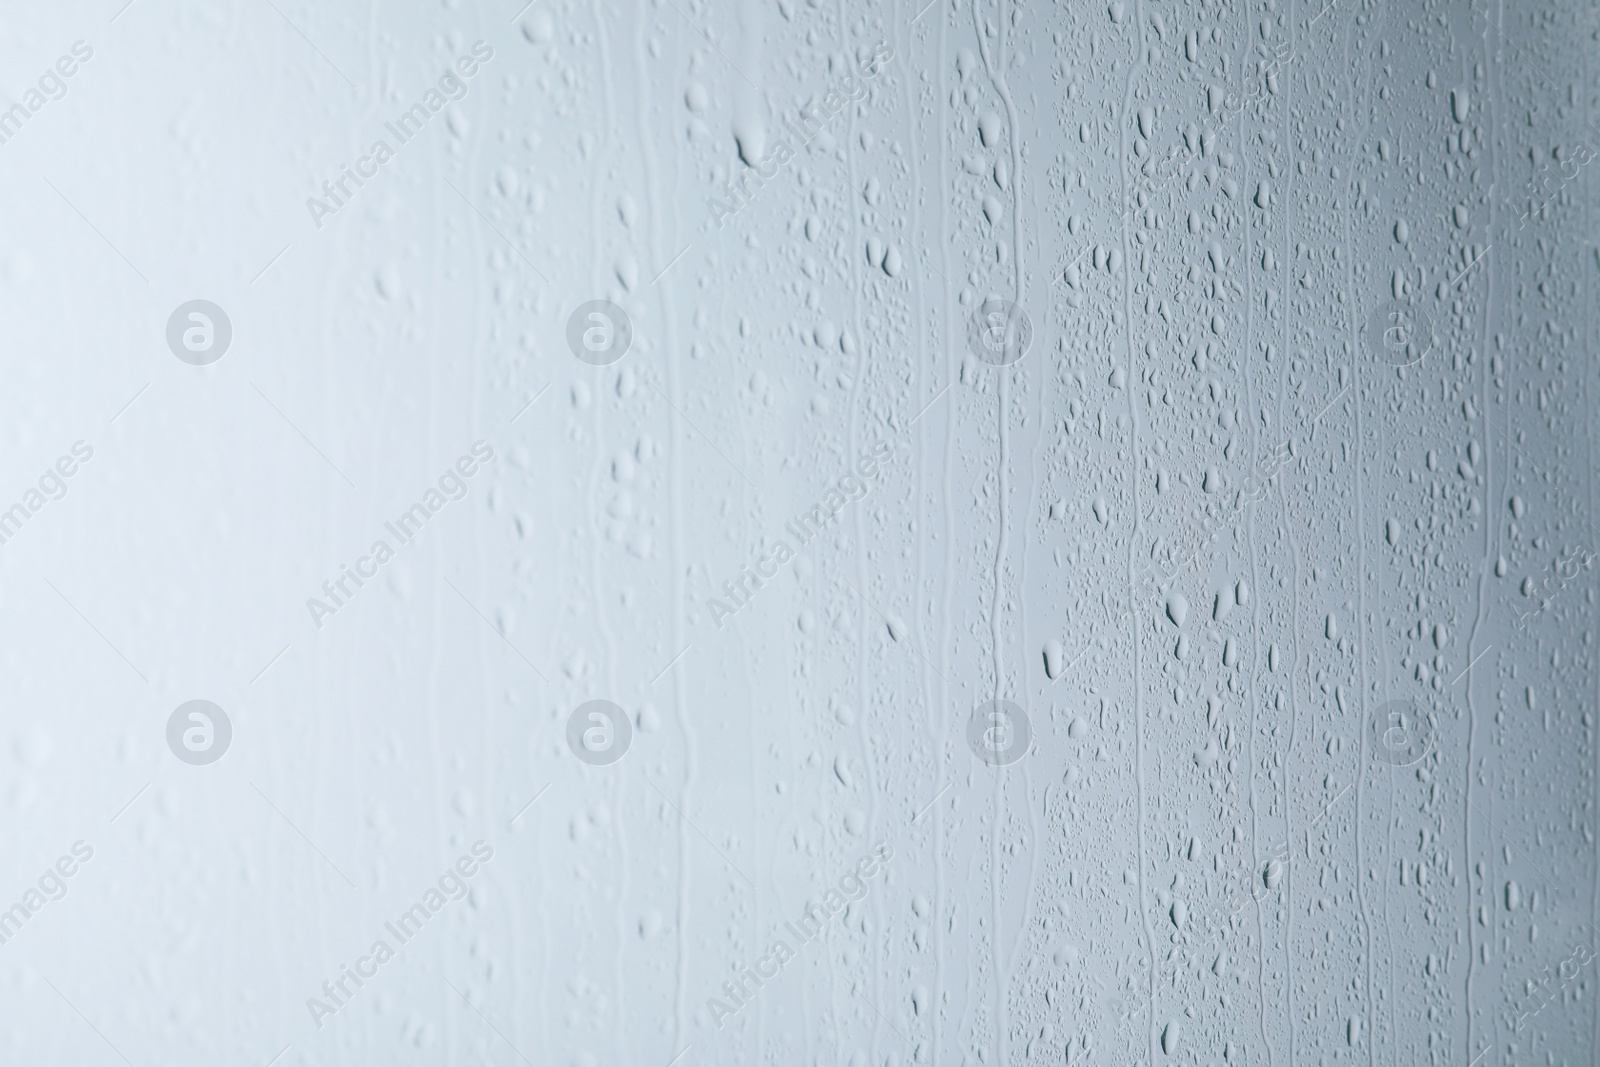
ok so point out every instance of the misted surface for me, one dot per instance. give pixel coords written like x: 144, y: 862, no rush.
x: 888, y: 533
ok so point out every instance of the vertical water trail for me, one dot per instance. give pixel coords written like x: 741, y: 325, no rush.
x: 994, y: 66
x: 1287, y: 92
x: 1491, y: 527
x: 1593, y: 457
x: 857, y: 517
x: 1135, y: 72
x: 749, y: 103
x: 1584, y: 285
x: 940, y: 718
x: 919, y: 469
x: 1386, y: 675
x: 596, y: 539
x: 1255, y: 630
x: 669, y: 349
x: 1363, y: 706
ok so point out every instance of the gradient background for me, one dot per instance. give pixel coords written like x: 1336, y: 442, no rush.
x: 1203, y: 857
